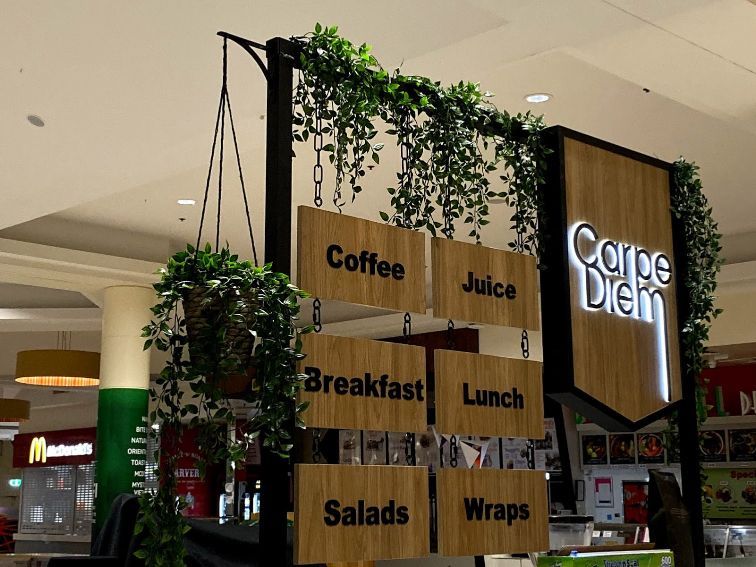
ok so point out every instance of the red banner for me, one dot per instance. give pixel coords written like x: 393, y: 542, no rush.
x: 196, y: 490
x: 52, y: 448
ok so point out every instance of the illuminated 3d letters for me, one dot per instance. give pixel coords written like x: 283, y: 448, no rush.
x: 625, y: 280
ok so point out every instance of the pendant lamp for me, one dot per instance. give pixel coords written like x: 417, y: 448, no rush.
x: 60, y: 367
x: 13, y: 410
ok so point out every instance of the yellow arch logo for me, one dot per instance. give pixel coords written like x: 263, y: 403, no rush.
x: 38, y: 450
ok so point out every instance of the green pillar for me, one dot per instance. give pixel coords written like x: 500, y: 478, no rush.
x: 123, y: 398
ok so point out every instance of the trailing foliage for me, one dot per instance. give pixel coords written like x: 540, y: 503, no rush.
x: 265, y: 304
x: 703, y: 261
x: 452, y: 139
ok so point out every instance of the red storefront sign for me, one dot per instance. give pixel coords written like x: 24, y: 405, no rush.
x: 52, y: 448
x: 731, y: 390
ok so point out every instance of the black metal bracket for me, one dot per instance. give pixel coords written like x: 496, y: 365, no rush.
x: 249, y: 46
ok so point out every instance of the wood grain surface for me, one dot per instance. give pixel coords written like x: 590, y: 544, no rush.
x: 318, y: 229
x: 458, y: 535
x: 616, y: 359
x: 353, y: 358
x: 488, y: 378
x: 452, y: 261
x: 317, y: 542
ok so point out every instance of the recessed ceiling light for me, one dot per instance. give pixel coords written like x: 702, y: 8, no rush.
x: 537, y: 98
x: 186, y: 202
x: 35, y: 120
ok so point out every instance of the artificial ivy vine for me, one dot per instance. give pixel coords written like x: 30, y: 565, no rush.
x: 453, y: 141
x: 223, y: 294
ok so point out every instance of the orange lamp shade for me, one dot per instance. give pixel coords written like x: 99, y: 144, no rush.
x: 58, y: 368
x: 12, y: 410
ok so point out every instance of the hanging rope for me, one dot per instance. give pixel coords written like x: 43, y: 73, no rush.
x: 224, y: 106
x: 241, y: 179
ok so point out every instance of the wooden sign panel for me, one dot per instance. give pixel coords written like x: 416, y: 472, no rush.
x: 350, y: 513
x: 363, y: 384
x: 613, y: 353
x: 484, y: 285
x: 359, y: 261
x: 477, y: 394
x: 487, y: 511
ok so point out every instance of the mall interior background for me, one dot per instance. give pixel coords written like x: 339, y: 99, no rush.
x: 126, y: 97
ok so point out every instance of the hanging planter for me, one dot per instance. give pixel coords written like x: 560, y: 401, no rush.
x: 237, y: 321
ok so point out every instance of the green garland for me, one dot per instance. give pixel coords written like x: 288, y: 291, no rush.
x: 453, y: 139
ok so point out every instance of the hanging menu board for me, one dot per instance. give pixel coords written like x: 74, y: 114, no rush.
x: 477, y: 394
x: 359, y: 261
x: 484, y: 285
x: 489, y: 511
x: 360, y: 513
x: 609, y: 287
x: 363, y: 384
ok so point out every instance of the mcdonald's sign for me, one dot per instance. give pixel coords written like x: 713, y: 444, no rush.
x: 38, y: 450
x: 50, y: 448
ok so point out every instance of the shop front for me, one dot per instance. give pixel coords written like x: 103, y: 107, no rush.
x: 57, y: 490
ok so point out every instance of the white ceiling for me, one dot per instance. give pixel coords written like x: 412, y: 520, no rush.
x: 129, y: 95
x: 128, y: 92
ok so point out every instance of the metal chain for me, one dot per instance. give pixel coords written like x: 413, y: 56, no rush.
x: 524, y: 338
x: 316, y: 322
x: 453, y: 449
x: 531, y: 454
x: 525, y: 344
x: 317, y: 144
x: 317, y: 455
x: 407, y: 329
x: 409, y: 440
x: 450, y: 335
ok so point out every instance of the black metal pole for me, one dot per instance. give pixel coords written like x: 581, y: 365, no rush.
x: 275, y: 485
x: 690, y: 458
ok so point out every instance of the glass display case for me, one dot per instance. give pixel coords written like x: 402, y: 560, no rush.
x: 569, y: 530
x: 725, y: 542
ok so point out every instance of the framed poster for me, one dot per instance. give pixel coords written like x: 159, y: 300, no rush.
x: 712, y: 446
x: 609, y: 293
x: 650, y: 449
x: 742, y: 444
x: 547, y: 449
x: 514, y: 453
x: 622, y: 449
x: 635, y: 502
x: 594, y: 450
